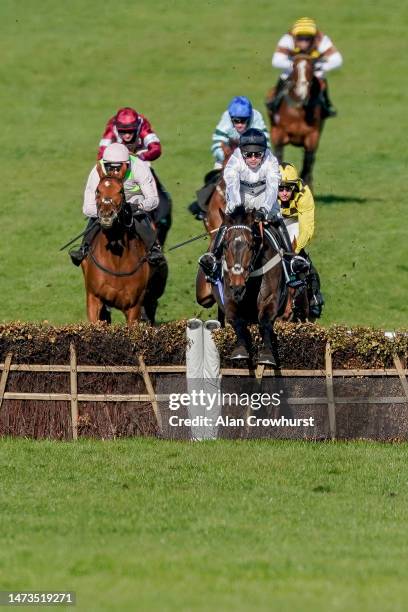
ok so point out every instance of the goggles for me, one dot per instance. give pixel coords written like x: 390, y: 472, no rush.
x: 249, y: 154
x: 286, y: 187
x: 236, y: 120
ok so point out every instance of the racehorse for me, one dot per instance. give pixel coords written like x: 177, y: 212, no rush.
x: 299, y: 119
x: 116, y: 271
x: 253, y: 285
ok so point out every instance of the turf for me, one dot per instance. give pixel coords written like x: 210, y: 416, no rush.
x: 67, y: 66
x: 153, y: 525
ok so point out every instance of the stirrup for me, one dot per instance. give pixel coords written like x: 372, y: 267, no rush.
x: 209, y: 266
x: 155, y: 255
x: 299, y: 264
x: 78, y: 255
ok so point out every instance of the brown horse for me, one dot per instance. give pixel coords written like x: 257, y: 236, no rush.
x: 116, y: 271
x: 253, y: 285
x: 296, y: 306
x: 299, y: 119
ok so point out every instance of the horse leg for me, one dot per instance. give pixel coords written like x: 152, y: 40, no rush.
x: 278, y: 151
x: 94, y: 308
x: 268, y: 348
x: 133, y: 314
x: 105, y: 314
x: 243, y: 339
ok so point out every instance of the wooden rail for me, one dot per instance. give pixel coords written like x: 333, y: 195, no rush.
x: 261, y: 372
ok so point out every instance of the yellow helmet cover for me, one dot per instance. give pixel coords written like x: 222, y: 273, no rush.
x: 304, y: 27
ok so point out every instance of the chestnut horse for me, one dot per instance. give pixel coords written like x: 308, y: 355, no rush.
x: 116, y: 271
x: 253, y: 284
x: 299, y: 119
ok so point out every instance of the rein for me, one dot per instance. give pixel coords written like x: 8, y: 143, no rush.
x: 112, y: 272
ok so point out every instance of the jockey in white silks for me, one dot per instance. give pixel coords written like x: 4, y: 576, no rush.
x: 140, y: 193
x: 251, y: 179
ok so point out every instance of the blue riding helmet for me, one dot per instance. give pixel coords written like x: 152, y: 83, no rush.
x: 240, y: 106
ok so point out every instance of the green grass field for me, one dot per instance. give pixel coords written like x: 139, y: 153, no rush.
x: 67, y: 66
x: 153, y: 525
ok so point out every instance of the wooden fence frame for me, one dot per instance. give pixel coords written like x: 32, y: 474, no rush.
x: 151, y: 397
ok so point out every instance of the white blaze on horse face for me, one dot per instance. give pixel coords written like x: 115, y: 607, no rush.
x: 107, y: 183
x: 301, y: 85
x: 237, y: 269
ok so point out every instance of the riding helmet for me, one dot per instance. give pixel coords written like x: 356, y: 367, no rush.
x: 126, y: 119
x: 289, y: 174
x: 304, y: 27
x: 116, y: 153
x: 240, y: 106
x: 253, y: 140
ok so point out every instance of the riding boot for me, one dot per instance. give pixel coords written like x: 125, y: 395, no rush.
x: 327, y: 107
x: 316, y: 300
x: 147, y: 233
x: 210, y: 262
x: 296, y: 266
x: 78, y: 255
x: 273, y: 105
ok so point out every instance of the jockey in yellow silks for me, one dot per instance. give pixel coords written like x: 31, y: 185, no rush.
x: 298, y: 210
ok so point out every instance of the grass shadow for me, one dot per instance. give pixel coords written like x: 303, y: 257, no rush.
x: 332, y: 198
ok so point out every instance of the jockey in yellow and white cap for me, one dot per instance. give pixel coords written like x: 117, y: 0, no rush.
x: 305, y: 37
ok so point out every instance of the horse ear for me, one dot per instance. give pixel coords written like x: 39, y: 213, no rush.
x: 100, y: 170
x: 122, y: 172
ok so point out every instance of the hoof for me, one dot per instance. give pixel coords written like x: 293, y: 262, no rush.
x: 239, y: 352
x: 265, y: 357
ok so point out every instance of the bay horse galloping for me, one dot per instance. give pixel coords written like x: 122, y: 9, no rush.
x: 116, y: 271
x: 298, y: 121
x: 253, y: 285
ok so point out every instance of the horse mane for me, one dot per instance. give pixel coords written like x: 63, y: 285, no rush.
x: 238, y: 215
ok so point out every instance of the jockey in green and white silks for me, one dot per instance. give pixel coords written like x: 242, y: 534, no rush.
x: 239, y: 117
x: 140, y: 194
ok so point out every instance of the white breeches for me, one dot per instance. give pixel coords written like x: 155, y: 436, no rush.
x: 292, y: 225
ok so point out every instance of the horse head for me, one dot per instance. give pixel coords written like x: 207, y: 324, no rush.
x: 110, y: 196
x: 239, y: 251
x: 301, y: 78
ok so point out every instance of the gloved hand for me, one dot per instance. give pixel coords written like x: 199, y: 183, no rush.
x: 260, y: 215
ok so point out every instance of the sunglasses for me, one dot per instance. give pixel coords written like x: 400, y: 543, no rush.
x: 113, y: 167
x: 239, y: 119
x: 286, y: 187
x: 249, y: 154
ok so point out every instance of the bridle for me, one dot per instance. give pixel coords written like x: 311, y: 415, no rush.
x: 237, y: 268
x: 109, y: 221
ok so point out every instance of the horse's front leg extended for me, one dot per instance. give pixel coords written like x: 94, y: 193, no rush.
x: 94, y: 308
x: 241, y: 350
x: 266, y: 353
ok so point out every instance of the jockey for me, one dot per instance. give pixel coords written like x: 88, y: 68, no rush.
x: 238, y: 117
x: 251, y: 179
x: 297, y: 207
x: 140, y: 193
x: 304, y: 37
x: 132, y: 129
